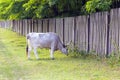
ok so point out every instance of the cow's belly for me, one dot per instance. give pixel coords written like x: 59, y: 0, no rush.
x: 41, y: 44
x: 44, y: 43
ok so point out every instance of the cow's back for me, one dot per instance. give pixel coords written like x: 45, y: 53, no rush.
x: 44, y: 40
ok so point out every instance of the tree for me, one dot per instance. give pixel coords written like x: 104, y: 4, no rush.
x: 35, y: 9
x: 30, y: 8
x: 12, y: 10
x: 45, y: 10
x: 97, y: 5
x: 15, y: 9
x: 3, y: 14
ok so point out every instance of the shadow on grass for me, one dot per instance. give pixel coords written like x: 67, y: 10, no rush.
x: 45, y: 59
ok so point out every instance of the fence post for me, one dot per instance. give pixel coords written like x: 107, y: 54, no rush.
x: 108, y: 29
x: 88, y: 49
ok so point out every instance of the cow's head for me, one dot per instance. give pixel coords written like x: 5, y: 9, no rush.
x: 65, y: 50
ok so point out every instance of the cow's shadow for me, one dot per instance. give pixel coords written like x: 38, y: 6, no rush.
x: 40, y: 59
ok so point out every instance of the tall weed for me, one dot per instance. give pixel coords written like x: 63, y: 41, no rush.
x: 114, y: 57
x: 75, y: 52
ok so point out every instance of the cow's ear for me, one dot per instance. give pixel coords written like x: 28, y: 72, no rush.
x: 64, y: 46
x: 28, y: 37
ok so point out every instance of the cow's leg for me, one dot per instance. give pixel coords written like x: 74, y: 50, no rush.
x: 29, y: 51
x: 36, y: 54
x: 52, y: 54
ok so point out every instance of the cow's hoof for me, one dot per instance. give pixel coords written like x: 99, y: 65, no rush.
x: 38, y: 58
x: 67, y: 54
x: 52, y: 58
x: 29, y: 59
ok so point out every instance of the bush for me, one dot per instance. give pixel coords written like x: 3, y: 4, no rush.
x: 114, y: 57
x: 75, y: 52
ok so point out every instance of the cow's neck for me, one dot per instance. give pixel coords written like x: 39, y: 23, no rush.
x: 60, y: 46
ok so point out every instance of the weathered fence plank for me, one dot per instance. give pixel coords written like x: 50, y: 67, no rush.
x: 81, y: 32
x: 18, y: 24
x: 29, y: 25
x: 35, y: 25
x: 102, y: 28
x: 52, y: 25
x: 119, y: 26
x: 21, y: 26
x: 45, y: 25
x: 114, y: 31
x: 68, y: 30
x: 40, y: 25
x: 6, y: 24
x: 25, y: 27
x: 98, y: 33
x: 59, y: 28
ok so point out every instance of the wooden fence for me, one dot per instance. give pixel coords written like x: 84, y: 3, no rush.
x: 99, y: 32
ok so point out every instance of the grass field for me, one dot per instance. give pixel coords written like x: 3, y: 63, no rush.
x: 15, y: 66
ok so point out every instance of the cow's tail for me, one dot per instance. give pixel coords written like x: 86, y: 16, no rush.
x: 27, y: 37
x: 27, y: 50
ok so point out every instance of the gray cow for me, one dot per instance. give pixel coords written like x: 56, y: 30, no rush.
x: 48, y: 40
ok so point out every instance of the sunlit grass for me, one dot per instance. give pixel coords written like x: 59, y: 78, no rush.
x: 15, y: 66
x: 5, y: 1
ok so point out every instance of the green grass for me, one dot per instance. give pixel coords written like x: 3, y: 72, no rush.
x: 15, y: 66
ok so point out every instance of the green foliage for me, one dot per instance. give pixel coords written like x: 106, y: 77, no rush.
x: 28, y: 9
x: 3, y: 7
x: 97, y: 5
x: 17, y: 10
x: 75, y: 52
x: 44, y: 10
x: 69, y: 8
x: 114, y: 57
x: 20, y: 9
x: 12, y: 10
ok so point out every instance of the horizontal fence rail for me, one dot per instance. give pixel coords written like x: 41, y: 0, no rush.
x: 99, y: 32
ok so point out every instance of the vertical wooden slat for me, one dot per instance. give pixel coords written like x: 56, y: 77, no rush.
x: 114, y: 31
x: 18, y: 30
x: 35, y: 25
x: 103, y: 32
x: 14, y: 25
x: 52, y: 25
x: 98, y: 33
x: 68, y: 29
x: 29, y: 25
x: 25, y: 26
x: 45, y: 25
x: 119, y: 26
x: 39, y: 25
x: 59, y: 28
x: 81, y: 32
x: 21, y: 27
x: 32, y: 25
